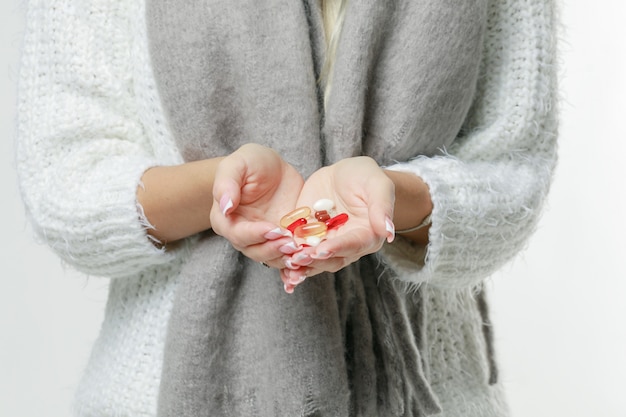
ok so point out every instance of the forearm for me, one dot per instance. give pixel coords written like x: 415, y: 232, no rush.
x: 177, y: 200
x: 413, y: 204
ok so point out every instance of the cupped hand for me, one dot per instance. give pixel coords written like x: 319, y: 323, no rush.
x: 253, y: 188
x: 359, y: 187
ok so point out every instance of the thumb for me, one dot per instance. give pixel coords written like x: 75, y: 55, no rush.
x: 229, y: 179
x: 381, y: 200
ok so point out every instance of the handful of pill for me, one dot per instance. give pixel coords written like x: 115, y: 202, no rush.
x: 311, y: 230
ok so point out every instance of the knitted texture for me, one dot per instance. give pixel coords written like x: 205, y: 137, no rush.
x: 393, y: 96
x: 488, y: 191
x: 90, y: 122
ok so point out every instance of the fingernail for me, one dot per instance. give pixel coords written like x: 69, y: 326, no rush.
x: 391, y: 229
x: 296, y: 280
x: 225, y: 204
x: 322, y: 255
x: 289, y: 264
x: 289, y: 288
x: 275, y: 234
x: 289, y: 248
x: 303, y: 259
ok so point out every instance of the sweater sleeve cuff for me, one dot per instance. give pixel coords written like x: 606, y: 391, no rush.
x: 106, y: 237
x: 409, y: 260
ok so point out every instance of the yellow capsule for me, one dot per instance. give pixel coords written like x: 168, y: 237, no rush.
x: 299, y: 213
x: 313, y: 229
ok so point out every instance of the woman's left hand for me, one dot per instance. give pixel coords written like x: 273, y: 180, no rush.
x: 359, y: 188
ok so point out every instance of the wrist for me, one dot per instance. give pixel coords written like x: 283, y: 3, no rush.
x: 413, y: 205
x: 176, y: 200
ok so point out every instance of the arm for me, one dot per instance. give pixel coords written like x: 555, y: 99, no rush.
x: 240, y: 196
x: 177, y: 200
x: 82, y: 147
x: 412, y: 205
x: 487, y: 192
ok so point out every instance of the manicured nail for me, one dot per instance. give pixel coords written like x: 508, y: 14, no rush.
x: 289, y: 248
x: 290, y: 265
x: 299, y: 279
x: 289, y: 288
x: 391, y: 229
x: 303, y: 259
x: 225, y: 204
x: 322, y: 255
x: 276, y: 234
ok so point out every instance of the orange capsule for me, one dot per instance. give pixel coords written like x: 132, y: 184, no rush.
x: 299, y: 213
x: 338, y: 220
x: 317, y: 229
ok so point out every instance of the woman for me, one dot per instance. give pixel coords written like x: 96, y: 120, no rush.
x: 161, y: 142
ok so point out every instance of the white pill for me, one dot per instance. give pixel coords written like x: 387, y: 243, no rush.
x: 313, y: 240
x: 324, y: 204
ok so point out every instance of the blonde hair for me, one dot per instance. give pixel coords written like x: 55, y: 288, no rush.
x: 334, y: 12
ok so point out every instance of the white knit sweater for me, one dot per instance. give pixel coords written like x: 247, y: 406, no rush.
x: 90, y: 123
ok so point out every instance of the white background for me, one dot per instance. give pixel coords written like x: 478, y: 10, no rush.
x: 559, y: 309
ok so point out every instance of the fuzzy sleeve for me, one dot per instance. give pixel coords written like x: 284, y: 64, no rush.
x: 81, y: 147
x: 489, y: 187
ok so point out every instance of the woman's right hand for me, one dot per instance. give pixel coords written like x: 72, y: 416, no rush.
x: 253, y: 188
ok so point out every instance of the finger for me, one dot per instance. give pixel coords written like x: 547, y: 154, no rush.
x: 380, y: 202
x: 333, y: 265
x: 276, y: 263
x: 229, y: 179
x: 298, y: 259
x: 240, y: 232
x: 294, y: 277
x: 289, y: 283
x: 267, y: 252
x: 350, y: 244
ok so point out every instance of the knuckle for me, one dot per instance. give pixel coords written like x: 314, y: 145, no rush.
x: 339, y: 264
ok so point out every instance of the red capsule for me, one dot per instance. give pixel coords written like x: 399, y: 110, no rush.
x: 338, y: 220
x: 293, y: 226
x: 299, y: 213
x: 322, y: 216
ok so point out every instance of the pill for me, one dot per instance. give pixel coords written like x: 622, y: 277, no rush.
x: 310, y: 229
x: 294, y: 225
x: 313, y: 240
x: 322, y: 216
x: 336, y: 221
x: 324, y: 204
x: 299, y: 213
